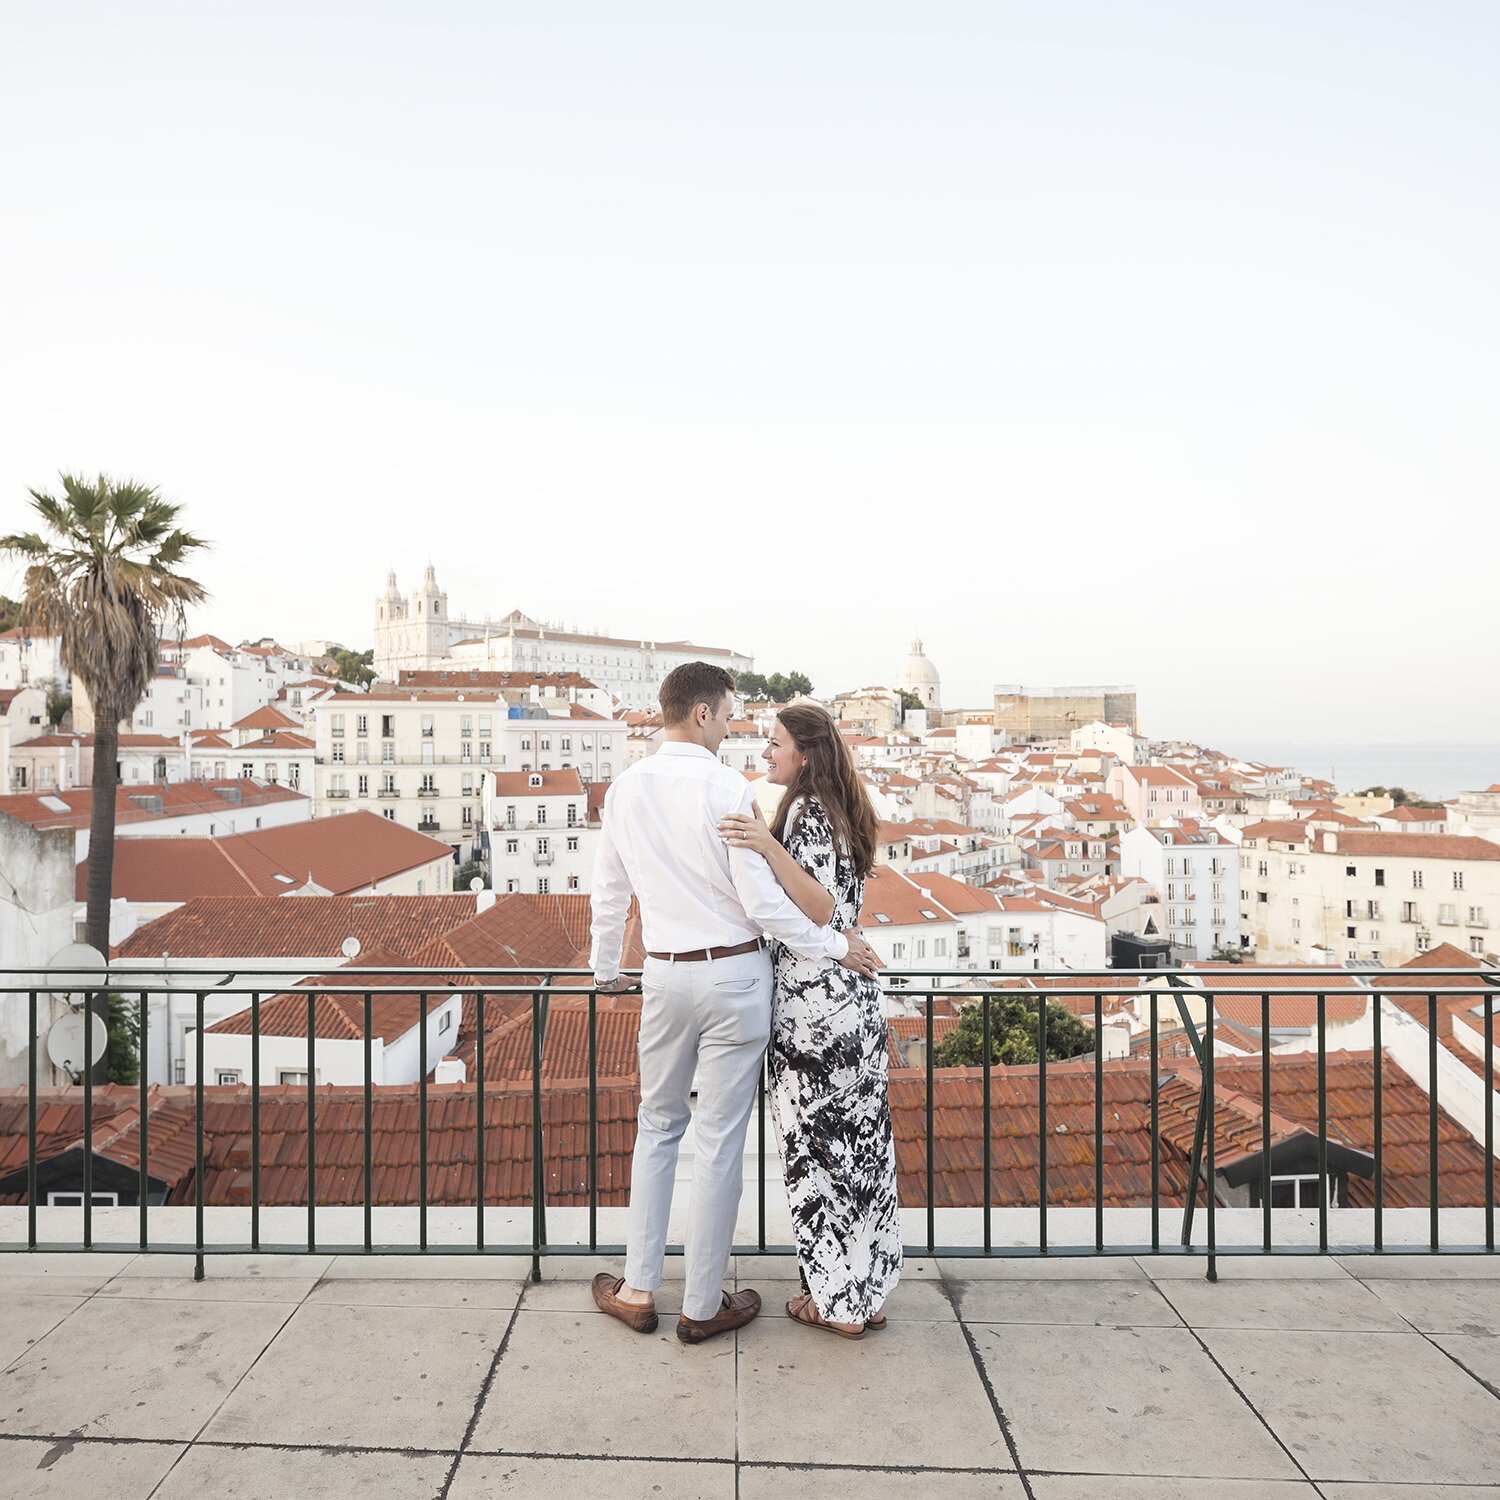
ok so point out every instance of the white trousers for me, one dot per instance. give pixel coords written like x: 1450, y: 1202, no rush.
x: 711, y: 1019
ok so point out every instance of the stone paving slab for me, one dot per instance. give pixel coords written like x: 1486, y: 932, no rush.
x: 1040, y: 1268
x: 416, y: 1292
x: 586, y: 1384
x: 1247, y: 1267
x: 155, y: 1368
x: 1258, y: 1303
x: 383, y: 1376
x: 780, y: 1482
x: 1420, y: 1267
x: 1376, y: 1406
x: 1160, y: 1487
x: 25, y: 1318
x: 787, y: 1411
x: 1113, y: 1401
x: 1444, y: 1306
x: 481, y: 1476
x: 257, y: 1473
x: 47, y: 1469
x: 212, y: 1289
x: 1112, y: 1303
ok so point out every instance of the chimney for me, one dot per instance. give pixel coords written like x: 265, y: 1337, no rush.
x: 450, y: 1070
x: 483, y: 900
x: 1330, y: 841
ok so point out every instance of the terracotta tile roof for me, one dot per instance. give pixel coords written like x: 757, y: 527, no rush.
x: 1282, y: 830
x: 1452, y: 846
x: 899, y: 901
x: 1407, y: 814
x: 268, y: 927
x: 459, y: 678
x: 179, y: 799
x: 554, y: 784
x: 955, y: 895
x: 341, y: 854
x: 266, y: 717
x: 339, y: 1119
x: 565, y: 1039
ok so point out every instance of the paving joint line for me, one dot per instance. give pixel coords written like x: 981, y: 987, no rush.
x: 946, y: 1289
x: 1431, y: 1339
x: 1234, y: 1386
x: 484, y: 1392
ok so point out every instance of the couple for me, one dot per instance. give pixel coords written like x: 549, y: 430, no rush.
x: 681, y: 831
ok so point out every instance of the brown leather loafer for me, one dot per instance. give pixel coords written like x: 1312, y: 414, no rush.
x: 606, y: 1290
x: 734, y: 1312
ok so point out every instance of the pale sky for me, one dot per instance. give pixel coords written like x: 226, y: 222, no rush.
x: 1094, y: 342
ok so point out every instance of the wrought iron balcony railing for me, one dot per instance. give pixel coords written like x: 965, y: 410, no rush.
x: 1071, y: 1131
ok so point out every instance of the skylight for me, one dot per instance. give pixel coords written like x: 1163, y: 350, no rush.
x: 931, y: 916
x: 284, y: 879
x: 54, y: 804
x: 880, y: 916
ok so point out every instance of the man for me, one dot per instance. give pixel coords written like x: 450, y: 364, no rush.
x: 706, y: 993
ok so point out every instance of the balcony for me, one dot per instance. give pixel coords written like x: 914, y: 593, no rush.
x: 336, y: 792
x: 428, y: 825
x: 541, y: 856
x: 428, y: 791
x: 388, y: 791
x: 1326, y: 1344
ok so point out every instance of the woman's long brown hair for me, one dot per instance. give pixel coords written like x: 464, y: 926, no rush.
x: 828, y: 774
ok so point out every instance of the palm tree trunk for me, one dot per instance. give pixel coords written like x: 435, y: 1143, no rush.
x: 100, y: 884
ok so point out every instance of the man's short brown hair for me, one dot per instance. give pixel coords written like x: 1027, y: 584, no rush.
x: 685, y: 687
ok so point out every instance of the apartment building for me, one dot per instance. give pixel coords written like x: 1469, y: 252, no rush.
x: 540, y: 837
x: 1196, y: 871
x: 1365, y: 897
x: 419, y: 757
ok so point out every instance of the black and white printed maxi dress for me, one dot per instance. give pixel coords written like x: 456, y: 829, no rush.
x: 829, y: 1099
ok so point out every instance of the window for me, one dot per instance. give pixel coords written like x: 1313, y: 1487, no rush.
x: 335, y: 786
x: 1447, y: 915
x: 466, y: 816
x: 364, y: 786
x: 445, y: 1021
x: 544, y: 846
x: 337, y: 753
x: 541, y: 815
x: 1458, y: 880
x: 427, y: 726
x: 390, y: 814
x: 227, y: 1076
x: 336, y: 724
x: 572, y: 846
x: 1476, y: 946
x: 467, y: 784
x: 465, y: 725
x: 546, y: 743
x: 387, y: 783
x: 572, y: 815
x: 75, y: 1200
x: 1263, y: 870
x: 484, y: 723
x: 484, y: 751
x: 387, y: 726
x: 526, y: 742
x: 1260, y: 896
x: 1409, y: 911
x: 387, y: 752
x: 565, y: 744
x: 1300, y: 1192
x: 573, y: 883
x: 429, y: 755
x: 362, y: 724
x: 1351, y: 870
x: 587, y: 742
x: 940, y: 947
x: 247, y: 769
x: 429, y: 784
x: 604, y: 769
x: 291, y: 1075
x: 362, y: 752
x: 541, y: 885
x: 1416, y: 880
x: 898, y: 950
x: 511, y: 887
x: 1476, y: 916
x: 512, y: 846
x: 1380, y: 877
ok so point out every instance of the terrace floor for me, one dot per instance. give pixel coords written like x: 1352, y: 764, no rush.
x: 328, y: 1376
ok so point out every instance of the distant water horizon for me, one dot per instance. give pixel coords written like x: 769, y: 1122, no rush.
x: 1433, y: 772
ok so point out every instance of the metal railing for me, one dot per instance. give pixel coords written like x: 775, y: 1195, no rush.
x: 486, y: 987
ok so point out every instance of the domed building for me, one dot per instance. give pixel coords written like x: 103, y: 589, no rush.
x: 919, y: 676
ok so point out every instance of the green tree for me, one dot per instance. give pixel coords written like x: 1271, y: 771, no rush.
x: 103, y: 581
x: 909, y: 699
x: 779, y: 687
x: 122, y: 1050
x: 59, y: 706
x: 10, y: 613
x: 355, y: 666
x: 465, y: 873
x: 1012, y: 1033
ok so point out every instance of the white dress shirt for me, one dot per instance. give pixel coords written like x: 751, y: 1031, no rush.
x: 660, y: 839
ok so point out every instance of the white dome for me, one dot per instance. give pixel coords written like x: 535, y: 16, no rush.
x: 920, y: 677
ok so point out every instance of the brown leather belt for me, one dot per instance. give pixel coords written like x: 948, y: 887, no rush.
x: 699, y: 955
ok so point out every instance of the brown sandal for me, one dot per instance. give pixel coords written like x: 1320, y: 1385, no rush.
x: 878, y: 1324
x: 816, y: 1320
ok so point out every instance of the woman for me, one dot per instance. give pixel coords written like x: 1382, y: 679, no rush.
x: 828, y: 1034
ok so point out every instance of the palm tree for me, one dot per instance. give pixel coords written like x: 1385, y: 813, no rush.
x: 103, y: 582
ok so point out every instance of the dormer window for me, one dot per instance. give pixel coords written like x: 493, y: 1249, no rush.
x: 533, y: 780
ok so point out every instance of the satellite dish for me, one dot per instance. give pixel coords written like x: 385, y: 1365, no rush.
x: 476, y: 884
x: 350, y: 947
x: 65, y: 1042
x: 73, y: 969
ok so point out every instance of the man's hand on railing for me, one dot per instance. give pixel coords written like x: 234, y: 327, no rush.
x: 861, y: 957
x: 616, y: 986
